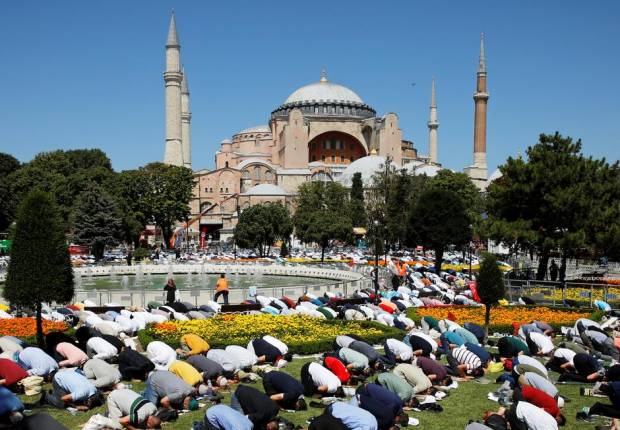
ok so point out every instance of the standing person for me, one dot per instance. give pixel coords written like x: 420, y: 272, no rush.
x: 171, y: 289
x: 129, y: 257
x: 553, y: 271
x: 221, y: 288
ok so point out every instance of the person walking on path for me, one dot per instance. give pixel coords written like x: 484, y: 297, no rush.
x: 221, y: 289
x: 553, y: 271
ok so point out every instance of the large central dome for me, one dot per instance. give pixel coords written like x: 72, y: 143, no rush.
x: 324, y: 91
x: 325, y: 99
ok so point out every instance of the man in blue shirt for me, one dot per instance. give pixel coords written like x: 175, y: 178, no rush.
x: 353, y: 417
x: 70, y: 388
x: 37, y: 362
x: 384, y: 405
x: 222, y: 417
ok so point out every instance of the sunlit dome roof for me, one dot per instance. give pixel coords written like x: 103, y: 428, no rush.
x: 256, y: 129
x: 324, y: 91
x: 367, y: 166
x: 428, y: 170
x: 495, y: 175
x: 266, y: 190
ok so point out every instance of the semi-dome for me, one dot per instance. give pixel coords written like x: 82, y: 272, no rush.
x: 325, y: 99
x: 266, y: 190
x: 367, y: 166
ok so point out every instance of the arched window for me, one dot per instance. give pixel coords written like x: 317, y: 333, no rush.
x: 321, y: 177
x: 204, y: 206
x: 246, y: 175
x: 257, y: 173
x: 269, y: 175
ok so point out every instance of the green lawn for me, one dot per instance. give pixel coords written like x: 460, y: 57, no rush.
x: 467, y: 402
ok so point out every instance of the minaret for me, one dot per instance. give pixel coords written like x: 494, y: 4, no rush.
x: 478, y: 171
x: 172, y: 78
x: 186, y: 117
x: 433, y: 125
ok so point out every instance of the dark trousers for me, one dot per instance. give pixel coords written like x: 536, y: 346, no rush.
x: 221, y: 293
x: 604, y: 410
x: 54, y: 397
x: 453, y: 365
x: 389, y: 354
x: 306, y: 380
x: 511, y: 416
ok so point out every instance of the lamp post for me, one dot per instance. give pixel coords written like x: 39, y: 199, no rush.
x: 376, y: 224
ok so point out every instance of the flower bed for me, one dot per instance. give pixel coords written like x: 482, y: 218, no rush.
x: 302, y: 334
x: 502, y: 317
x: 27, y: 327
x: 577, y: 294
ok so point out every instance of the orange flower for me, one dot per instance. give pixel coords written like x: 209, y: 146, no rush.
x: 503, y: 315
x: 27, y: 327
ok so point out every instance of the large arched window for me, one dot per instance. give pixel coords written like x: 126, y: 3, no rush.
x: 335, y: 148
x: 257, y: 173
x: 321, y: 177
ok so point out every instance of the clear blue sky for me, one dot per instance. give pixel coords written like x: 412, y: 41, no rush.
x: 81, y: 74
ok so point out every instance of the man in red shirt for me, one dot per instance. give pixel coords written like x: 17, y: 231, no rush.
x: 541, y: 399
x: 11, y: 373
x: 338, y: 368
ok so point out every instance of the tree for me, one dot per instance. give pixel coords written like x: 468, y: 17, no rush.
x: 556, y: 199
x: 260, y: 226
x: 8, y: 165
x: 357, y: 207
x: 490, y: 285
x: 439, y: 219
x: 462, y: 185
x: 64, y: 174
x: 97, y: 222
x: 40, y: 269
x: 320, y: 217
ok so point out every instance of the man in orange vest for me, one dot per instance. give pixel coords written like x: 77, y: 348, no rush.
x: 221, y: 289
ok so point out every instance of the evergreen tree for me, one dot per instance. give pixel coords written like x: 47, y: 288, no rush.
x: 319, y: 217
x: 439, y: 219
x: 97, y: 222
x: 357, y: 207
x: 40, y: 268
x: 490, y: 285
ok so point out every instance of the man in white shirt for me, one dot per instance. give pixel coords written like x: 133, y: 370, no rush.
x: 245, y: 357
x: 317, y: 379
x: 539, y: 343
x: 397, y: 351
x: 562, y: 360
x: 161, y: 354
x: 97, y: 347
x: 524, y: 415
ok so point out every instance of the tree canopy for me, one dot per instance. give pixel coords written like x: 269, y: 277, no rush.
x: 39, y: 269
x: 439, y: 219
x: 357, y: 207
x: 97, y: 221
x: 555, y: 199
x: 8, y: 165
x: 320, y: 217
x: 260, y: 226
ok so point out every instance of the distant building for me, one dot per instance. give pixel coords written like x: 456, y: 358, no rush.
x: 323, y: 131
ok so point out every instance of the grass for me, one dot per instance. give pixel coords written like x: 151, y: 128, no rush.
x: 468, y: 402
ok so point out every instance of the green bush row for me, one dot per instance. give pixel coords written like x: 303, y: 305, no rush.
x: 310, y: 347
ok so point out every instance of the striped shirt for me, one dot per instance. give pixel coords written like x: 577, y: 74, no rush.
x: 465, y: 356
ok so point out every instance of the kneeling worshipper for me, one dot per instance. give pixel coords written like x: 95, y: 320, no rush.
x: 37, y: 362
x: 612, y: 389
x: 228, y: 361
x: 98, y: 347
x: 316, y: 379
x: 134, y: 365
x: 285, y: 390
x: 415, y: 377
x: 464, y: 363
x: 168, y: 390
x: 352, y: 417
x: 245, y: 357
x: 384, y: 405
x: 257, y: 406
x: 526, y: 416
x: 70, y: 388
x: 398, y: 386
x: 131, y: 410
x: 434, y: 370
x: 103, y: 375
x: 192, y: 344
x: 187, y: 373
x: 9, y: 345
x: 161, y: 354
x: 542, y: 400
x: 267, y: 352
x: 11, y: 408
x: 11, y: 373
x: 587, y: 369
x: 211, y: 370
x: 355, y: 361
x: 222, y: 417
x: 73, y: 356
x: 397, y: 351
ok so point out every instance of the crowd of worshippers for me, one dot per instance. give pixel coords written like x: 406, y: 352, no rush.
x: 357, y: 386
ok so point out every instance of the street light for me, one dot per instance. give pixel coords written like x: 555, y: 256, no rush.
x: 376, y: 224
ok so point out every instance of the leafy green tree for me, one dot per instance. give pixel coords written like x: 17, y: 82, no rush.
x: 8, y: 165
x: 439, y: 219
x: 462, y: 185
x: 64, y: 174
x: 357, y: 207
x: 97, y: 221
x: 156, y: 193
x: 320, y: 217
x: 260, y: 226
x: 40, y: 269
x: 556, y: 199
x: 131, y: 187
x: 490, y: 285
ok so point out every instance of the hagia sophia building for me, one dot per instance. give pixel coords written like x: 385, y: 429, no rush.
x: 323, y: 131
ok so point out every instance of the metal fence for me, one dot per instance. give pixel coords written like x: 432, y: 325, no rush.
x: 556, y: 293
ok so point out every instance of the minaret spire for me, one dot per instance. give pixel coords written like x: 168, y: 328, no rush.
x: 433, y: 125
x: 482, y: 63
x: 173, y: 78
x: 186, y: 117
